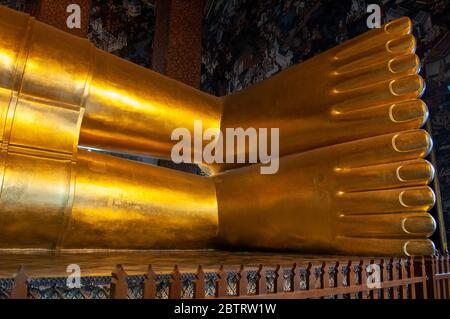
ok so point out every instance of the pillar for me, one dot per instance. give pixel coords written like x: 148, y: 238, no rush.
x: 177, y: 46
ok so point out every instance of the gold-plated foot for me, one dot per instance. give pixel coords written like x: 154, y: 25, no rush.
x: 362, y: 197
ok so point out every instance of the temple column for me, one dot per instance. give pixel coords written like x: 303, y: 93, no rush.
x: 177, y: 46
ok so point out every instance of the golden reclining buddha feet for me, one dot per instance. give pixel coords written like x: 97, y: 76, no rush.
x: 362, y: 197
x: 351, y: 179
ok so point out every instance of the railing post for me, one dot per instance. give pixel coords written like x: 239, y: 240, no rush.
x: 119, y: 285
x: 447, y: 270
x: 429, y: 271
x: 444, y: 282
x: 437, y: 270
x: 149, y: 284
x: 261, y: 286
x: 334, y: 268
x: 339, y: 279
x: 405, y: 272
x: 350, y: 278
x: 414, y: 288
x: 19, y: 289
x: 377, y: 292
x: 310, y: 277
x: 279, y: 280
x: 242, y: 283
x: 221, y: 283
x: 396, y: 276
x: 199, y: 284
x: 384, y: 265
x: 175, y: 284
x: 295, y: 278
x: 391, y: 270
x: 324, y: 277
x: 359, y: 271
x: 368, y: 294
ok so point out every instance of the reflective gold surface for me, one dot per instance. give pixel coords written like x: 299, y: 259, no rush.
x: 362, y: 197
x: 351, y: 179
x: 123, y: 204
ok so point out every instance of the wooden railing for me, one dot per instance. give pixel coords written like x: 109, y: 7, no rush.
x: 441, y: 276
x: 390, y: 278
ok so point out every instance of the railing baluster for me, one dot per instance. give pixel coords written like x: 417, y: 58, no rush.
x: 439, y: 270
x: 279, y: 279
x: 19, y: 289
x: 430, y: 271
x: 359, y: 281
x: 119, y: 285
x: 377, y: 292
x: 395, y: 276
x: 221, y: 283
x: 337, y: 279
x: 444, y: 269
x: 447, y: 270
x: 149, y: 284
x: 351, y: 279
x: 324, y: 277
x: 325, y: 271
x: 295, y: 278
x: 384, y: 264
x: 242, y: 283
x: 413, y: 274
x: 403, y: 275
x: 261, y: 287
x: 310, y: 277
x: 367, y: 294
x: 175, y: 284
x: 199, y: 284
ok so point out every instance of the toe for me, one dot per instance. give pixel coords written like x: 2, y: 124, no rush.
x: 395, y: 225
x: 385, y: 51
x: 386, y: 201
x: 374, y: 38
x: 378, y: 120
x: 390, y: 69
x: 390, y: 91
x: 383, y: 149
x: 423, y: 247
x: 378, y: 177
x: 384, y: 247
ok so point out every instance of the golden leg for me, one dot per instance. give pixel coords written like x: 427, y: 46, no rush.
x: 103, y: 202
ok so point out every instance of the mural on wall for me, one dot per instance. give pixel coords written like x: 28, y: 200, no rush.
x: 247, y: 41
x: 27, y: 6
x: 124, y: 28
